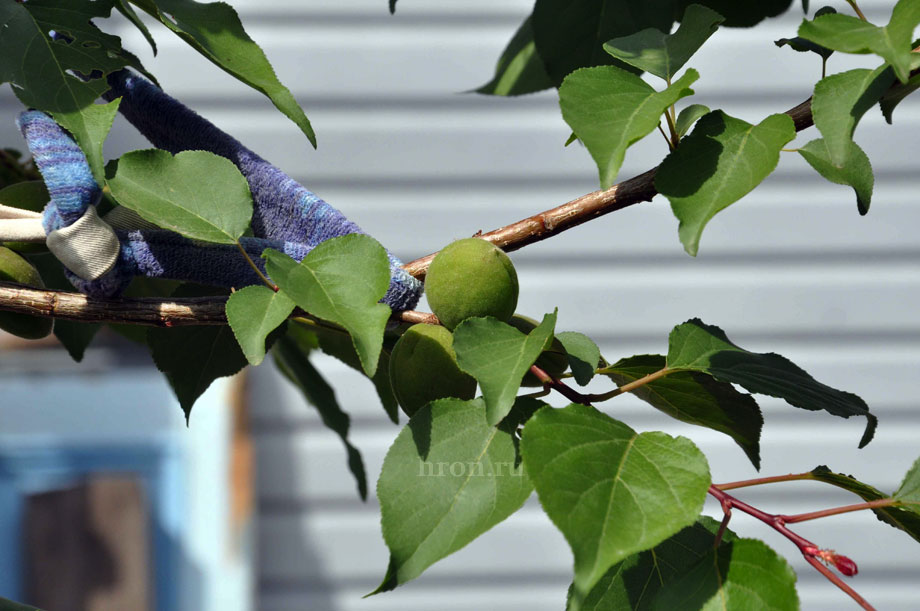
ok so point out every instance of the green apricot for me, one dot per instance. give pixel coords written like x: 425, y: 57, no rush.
x: 423, y: 367
x: 554, y: 360
x: 471, y: 277
x: 14, y: 268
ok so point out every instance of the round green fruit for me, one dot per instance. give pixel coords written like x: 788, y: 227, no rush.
x: 554, y: 360
x: 14, y: 268
x: 471, y: 277
x: 423, y: 367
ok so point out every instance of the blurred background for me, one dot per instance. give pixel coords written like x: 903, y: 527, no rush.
x: 252, y: 505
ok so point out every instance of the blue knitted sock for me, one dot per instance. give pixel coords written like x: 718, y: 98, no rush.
x: 303, y: 220
x: 283, y: 209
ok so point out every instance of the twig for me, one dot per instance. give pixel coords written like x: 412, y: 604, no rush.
x: 765, y: 480
x: 833, y: 511
x: 809, y: 550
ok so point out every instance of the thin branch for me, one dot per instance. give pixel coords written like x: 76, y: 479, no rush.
x: 809, y: 550
x: 631, y: 386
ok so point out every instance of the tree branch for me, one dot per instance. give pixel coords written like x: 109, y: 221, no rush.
x: 210, y: 310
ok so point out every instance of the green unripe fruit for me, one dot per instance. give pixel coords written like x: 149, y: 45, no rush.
x: 471, y: 277
x: 14, y: 268
x: 554, y: 360
x: 423, y: 367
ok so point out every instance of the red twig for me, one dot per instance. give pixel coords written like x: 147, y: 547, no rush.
x: 812, y: 553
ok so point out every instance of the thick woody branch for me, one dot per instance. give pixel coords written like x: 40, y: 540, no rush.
x: 210, y: 310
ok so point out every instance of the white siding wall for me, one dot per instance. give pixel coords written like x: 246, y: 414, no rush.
x: 791, y: 269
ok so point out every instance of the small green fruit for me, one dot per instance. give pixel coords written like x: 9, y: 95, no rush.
x: 14, y: 268
x: 471, y: 277
x: 423, y: 367
x: 554, y: 360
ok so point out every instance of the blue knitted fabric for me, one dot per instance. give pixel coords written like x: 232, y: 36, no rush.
x: 286, y: 216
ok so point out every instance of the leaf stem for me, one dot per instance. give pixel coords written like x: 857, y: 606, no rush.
x: 631, y: 385
x: 672, y: 127
x: 256, y: 269
x: 808, y: 549
x: 814, y: 515
x: 858, y: 12
x: 765, y: 480
x: 665, y: 136
x: 550, y: 383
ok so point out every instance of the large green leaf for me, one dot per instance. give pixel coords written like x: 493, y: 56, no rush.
x: 193, y: 357
x: 853, y: 35
x: 696, y: 346
x: 449, y: 477
x: 839, y: 103
x: 498, y: 356
x: 721, y: 161
x: 167, y: 191
x: 582, y: 353
x: 905, y: 517
x: 856, y: 170
x: 28, y: 195
x: 520, y: 70
x: 668, y: 570
x: 46, y: 74
x: 609, y: 109
x: 125, y: 8
x: 742, y: 574
x: 291, y: 354
x: 9, y: 605
x: 341, y: 281
x: 611, y: 491
x: 214, y: 30
x: 569, y: 34
x: 695, y: 398
x: 253, y: 312
x: 663, y: 54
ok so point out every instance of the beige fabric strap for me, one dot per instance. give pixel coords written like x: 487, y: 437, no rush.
x: 21, y: 230
x: 88, y: 248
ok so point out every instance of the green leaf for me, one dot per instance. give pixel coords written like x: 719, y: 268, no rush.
x: 291, y: 354
x: 853, y: 35
x: 214, y: 30
x: 193, y: 357
x: 449, y: 477
x: 609, y: 109
x: 128, y: 11
x: 569, y: 34
x: 636, y: 582
x: 806, y: 46
x: 167, y: 191
x: 29, y: 195
x: 583, y: 355
x: 696, y: 346
x: 44, y: 72
x: 909, y: 492
x: 695, y: 398
x: 688, y: 116
x: 253, y: 312
x: 98, y: 122
x: 663, y: 54
x: 743, y: 14
x: 906, y: 518
x: 856, y: 170
x: 520, y: 70
x: 720, y: 162
x: 742, y: 574
x: 893, y: 96
x: 611, y: 491
x: 340, y: 281
x: 498, y: 356
x: 839, y: 103
x: 392, y: 7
